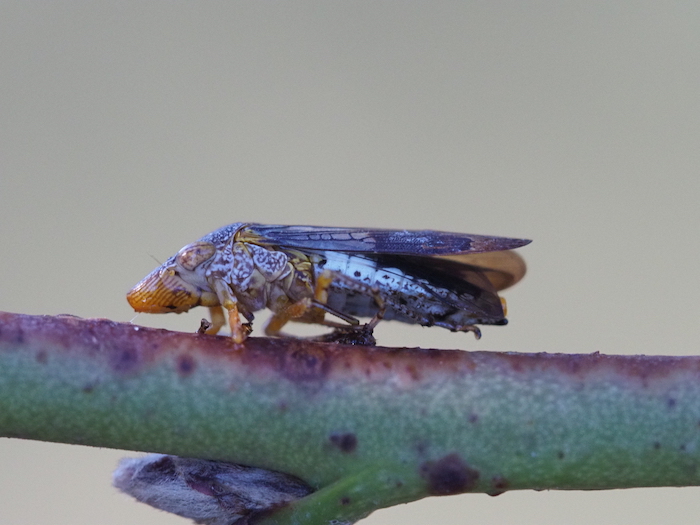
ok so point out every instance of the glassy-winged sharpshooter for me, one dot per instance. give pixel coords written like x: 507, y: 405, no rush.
x: 300, y: 273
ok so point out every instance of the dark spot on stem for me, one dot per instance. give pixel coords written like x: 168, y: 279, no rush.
x: 413, y: 372
x: 345, y: 442
x: 125, y: 360
x: 345, y: 500
x: 304, y: 363
x: 671, y: 402
x: 186, y: 365
x: 657, y: 445
x: 473, y: 418
x: 449, y: 475
x: 560, y: 454
x: 41, y: 357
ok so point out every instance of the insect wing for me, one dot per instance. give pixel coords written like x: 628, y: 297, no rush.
x: 378, y: 241
x: 503, y: 269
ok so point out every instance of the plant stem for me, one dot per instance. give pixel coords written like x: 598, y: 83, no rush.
x: 367, y: 427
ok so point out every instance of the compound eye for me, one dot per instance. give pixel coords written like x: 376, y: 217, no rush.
x: 195, y: 254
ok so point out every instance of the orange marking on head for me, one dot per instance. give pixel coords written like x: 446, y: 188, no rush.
x: 163, y: 291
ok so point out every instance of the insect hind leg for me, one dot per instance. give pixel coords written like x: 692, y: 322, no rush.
x: 469, y: 328
x: 327, y: 277
x: 309, y: 309
x: 312, y: 310
x: 294, y: 311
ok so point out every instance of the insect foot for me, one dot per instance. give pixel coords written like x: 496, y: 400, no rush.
x: 351, y: 335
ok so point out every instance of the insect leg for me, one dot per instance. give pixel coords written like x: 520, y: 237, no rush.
x: 301, y: 309
x: 381, y: 305
x: 204, y: 325
x: 238, y: 331
x: 330, y: 276
x: 323, y: 283
x: 218, y: 320
x: 469, y: 328
x: 353, y: 334
x: 309, y: 310
x: 340, y: 315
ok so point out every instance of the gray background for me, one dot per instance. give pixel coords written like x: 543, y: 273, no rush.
x: 130, y: 129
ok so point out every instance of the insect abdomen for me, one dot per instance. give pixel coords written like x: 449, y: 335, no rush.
x: 409, y: 298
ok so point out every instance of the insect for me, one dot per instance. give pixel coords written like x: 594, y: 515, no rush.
x: 302, y: 273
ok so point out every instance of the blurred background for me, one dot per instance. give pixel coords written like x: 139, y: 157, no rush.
x: 130, y: 129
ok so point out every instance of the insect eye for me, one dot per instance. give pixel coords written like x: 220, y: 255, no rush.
x: 194, y: 254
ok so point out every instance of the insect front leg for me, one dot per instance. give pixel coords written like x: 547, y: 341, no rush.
x: 229, y: 302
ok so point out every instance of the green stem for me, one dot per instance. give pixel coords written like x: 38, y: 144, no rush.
x: 367, y: 427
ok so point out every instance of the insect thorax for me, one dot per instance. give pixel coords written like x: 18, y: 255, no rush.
x: 263, y: 277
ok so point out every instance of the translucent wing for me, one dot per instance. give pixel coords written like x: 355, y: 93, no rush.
x: 377, y: 241
x: 503, y: 269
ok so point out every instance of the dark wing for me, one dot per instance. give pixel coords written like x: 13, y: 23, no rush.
x: 401, y: 242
